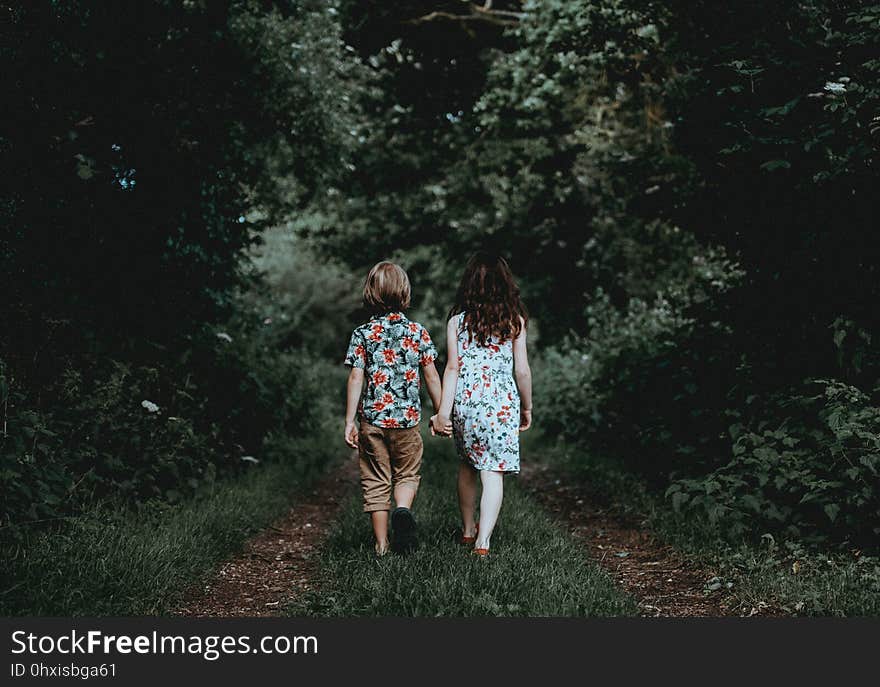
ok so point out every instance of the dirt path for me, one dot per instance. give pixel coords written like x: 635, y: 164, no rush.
x: 664, y: 583
x: 280, y: 562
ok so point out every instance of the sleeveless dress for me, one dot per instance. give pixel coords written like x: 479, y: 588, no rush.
x: 485, y: 414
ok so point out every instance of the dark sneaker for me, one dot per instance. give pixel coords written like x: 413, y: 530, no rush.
x: 403, y: 530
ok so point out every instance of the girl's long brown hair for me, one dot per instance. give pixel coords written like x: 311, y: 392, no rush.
x: 489, y: 298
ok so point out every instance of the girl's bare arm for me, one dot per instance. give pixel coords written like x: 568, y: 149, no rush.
x: 523, y: 374
x: 450, y: 378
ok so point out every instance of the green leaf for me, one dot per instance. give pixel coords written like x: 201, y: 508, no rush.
x: 679, y: 499
x: 831, y: 510
x: 770, y: 165
x: 781, y: 109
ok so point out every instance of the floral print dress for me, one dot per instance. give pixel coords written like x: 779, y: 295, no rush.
x: 485, y: 414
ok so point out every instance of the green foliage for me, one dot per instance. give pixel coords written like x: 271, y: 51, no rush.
x: 102, y: 438
x: 162, y: 432
x: 306, y: 303
x: 773, y: 109
x: 803, y: 582
x: 768, y: 140
x: 632, y: 385
x: 815, y: 475
x: 686, y: 191
x: 803, y: 464
x: 502, y: 152
x: 143, y: 153
x: 144, y: 149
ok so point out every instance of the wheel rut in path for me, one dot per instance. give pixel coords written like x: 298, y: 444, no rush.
x: 280, y: 562
x: 663, y: 581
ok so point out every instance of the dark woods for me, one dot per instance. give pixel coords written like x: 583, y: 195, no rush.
x: 145, y: 145
x: 684, y: 190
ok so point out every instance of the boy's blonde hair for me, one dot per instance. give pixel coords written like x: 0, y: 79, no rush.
x: 387, y: 288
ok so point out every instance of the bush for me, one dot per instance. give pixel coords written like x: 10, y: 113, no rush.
x: 636, y: 385
x: 106, y: 434
x: 815, y: 475
x: 136, y: 433
x: 663, y: 387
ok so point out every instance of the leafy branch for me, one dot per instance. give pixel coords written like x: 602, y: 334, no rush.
x: 476, y: 13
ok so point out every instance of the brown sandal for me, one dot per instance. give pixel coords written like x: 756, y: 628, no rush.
x: 470, y: 540
x: 482, y: 553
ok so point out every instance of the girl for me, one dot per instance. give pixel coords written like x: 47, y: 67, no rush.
x: 487, y: 389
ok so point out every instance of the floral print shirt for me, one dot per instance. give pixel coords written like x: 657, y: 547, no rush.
x: 391, y: 349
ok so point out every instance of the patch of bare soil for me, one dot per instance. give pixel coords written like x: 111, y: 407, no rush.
x: 662, y: 580
x: 278, y: 563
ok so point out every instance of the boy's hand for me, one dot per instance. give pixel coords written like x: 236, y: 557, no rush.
x: 525, y: 420
x: 351, y: 434
x: 441, y: 426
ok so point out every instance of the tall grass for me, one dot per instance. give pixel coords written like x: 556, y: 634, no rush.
x: 113, y: 561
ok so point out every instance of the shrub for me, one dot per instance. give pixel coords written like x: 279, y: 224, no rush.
x: 662, y: 387
x: 641, y: 383
x: 137, y: 433
x: 814, y: 475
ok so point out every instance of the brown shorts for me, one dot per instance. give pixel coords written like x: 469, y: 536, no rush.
x: 387, y: 457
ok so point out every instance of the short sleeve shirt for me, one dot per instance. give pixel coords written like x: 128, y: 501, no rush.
x: 391, y: 348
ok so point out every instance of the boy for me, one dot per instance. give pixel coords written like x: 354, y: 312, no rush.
x: 388, y: 351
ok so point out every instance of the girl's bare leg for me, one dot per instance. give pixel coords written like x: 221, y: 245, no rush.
x: 490, y: 505
x: 467, y: 498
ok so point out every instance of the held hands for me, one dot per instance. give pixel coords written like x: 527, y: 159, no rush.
x: 441, y: 426
x: 351, y: 434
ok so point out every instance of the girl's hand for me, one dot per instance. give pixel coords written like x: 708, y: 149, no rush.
x: 525, y: 420
x: 351, y: 434
x: 441, y: 426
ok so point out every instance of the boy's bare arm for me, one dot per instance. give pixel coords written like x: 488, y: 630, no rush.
x: 432, y: 381
x: 353, y: 397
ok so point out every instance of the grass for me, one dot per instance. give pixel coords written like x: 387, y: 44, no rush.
x: 535, y: 568
x: 765, y: 573
x: 113, y: 561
